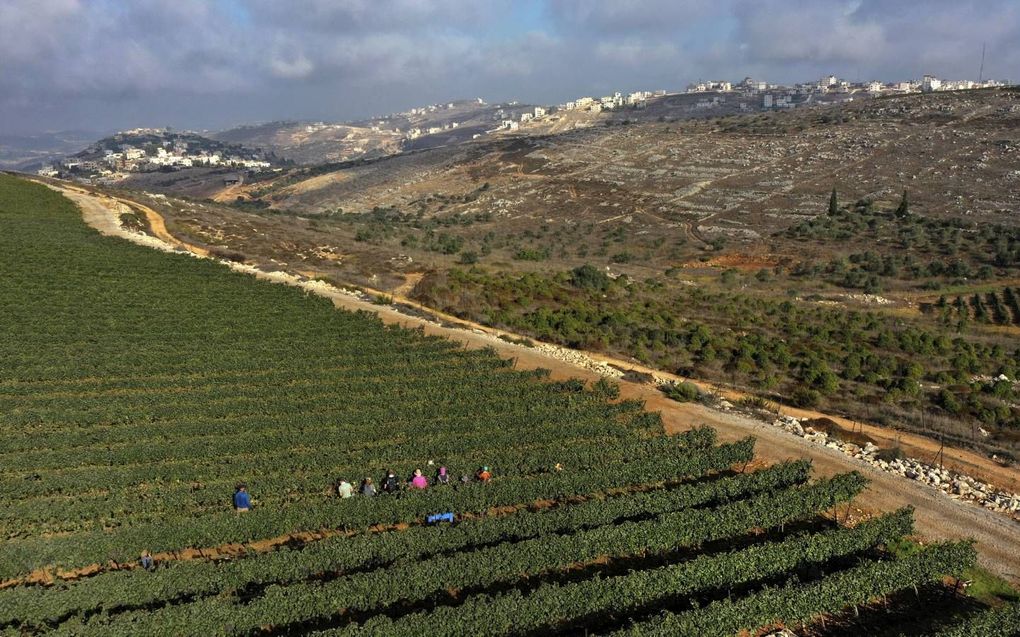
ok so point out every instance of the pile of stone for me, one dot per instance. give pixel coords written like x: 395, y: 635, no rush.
x: 955, y: 485
x: 577, y: 358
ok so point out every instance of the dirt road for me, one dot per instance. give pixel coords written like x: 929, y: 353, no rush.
x: 938, y: 516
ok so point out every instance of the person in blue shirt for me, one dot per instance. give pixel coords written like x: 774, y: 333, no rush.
x: 242, y: 501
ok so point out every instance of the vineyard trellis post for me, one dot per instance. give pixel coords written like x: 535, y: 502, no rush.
x: 940, y: 455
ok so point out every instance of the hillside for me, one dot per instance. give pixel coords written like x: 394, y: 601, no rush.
x: 150, y: 140
x: 730, y: 218
x: 31, y: 152
x: 187, y: 379
x: 324, y: 142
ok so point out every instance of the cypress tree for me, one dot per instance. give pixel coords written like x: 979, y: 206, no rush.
x: 903, y: 210
x: 833, y: 203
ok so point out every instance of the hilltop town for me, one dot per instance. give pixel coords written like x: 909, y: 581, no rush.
x: 147, y: 150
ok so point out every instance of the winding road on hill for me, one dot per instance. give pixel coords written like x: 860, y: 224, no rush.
x: 938, y: 516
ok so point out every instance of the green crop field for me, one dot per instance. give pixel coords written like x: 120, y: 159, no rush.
x: 137, y: 388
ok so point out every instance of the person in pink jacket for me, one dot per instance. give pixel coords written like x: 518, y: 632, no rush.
x: 419, y: 481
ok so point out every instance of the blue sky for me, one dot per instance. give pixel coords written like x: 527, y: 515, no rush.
x: 108, y: 64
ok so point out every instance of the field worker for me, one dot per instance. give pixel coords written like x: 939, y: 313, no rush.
x: 390, y: 484
x: 484, y: 475
x: 419, y: 481
x: 442, y: 477
x: 146, y: 561
x: 367, y: 488
x: 344, y: 489
x: 242, y: 501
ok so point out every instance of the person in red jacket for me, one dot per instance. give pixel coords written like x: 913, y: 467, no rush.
x: 484, y: 475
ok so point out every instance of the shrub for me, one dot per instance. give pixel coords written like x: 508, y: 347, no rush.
x: 525, y: 254
x: 758, y: 402
x: 805, y: 397
x: 606, y: 389
x: 888, y: 455
x: 684, y: 392
x: 228, y: 255
x: 590, y: 277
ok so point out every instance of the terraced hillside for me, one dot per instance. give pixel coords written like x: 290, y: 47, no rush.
x: 730, y: 249
x: 137, y: 388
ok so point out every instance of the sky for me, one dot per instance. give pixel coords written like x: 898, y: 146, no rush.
x: 213, y: 64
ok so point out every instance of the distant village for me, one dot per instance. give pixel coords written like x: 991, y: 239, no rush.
x: 775, y: 96
x: 749, y: 94
x: 142, y: 150
x: 151, y: 149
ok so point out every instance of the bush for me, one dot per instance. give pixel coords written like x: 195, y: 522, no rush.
x: 805, y: 397
x: 758, y: 402
x: 888, y: 455
x: 525, y: 254
x: 526, y: 342
x: 228, y: 255
x: 605, y: 389
x: 684, y: 392
x: 590, y: 277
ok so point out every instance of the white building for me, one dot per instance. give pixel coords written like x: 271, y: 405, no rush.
x: 526, y: 117
x: 753, y: 86
x: 539, y: 112
x: 930, y: 83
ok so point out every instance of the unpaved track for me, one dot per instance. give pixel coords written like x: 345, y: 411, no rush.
x: 938, y: 516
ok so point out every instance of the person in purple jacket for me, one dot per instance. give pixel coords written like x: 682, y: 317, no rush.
x: 442, y: 477
x: 419, y: 481
x: 242, y: 501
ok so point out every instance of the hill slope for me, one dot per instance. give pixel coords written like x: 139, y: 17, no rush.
x: 163, y: 380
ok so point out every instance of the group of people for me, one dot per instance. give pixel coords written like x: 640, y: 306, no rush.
x: 390, y: 484
x: 416, y: 481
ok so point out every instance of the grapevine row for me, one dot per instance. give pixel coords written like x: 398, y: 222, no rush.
x: 115, y: 591
x: 416, y: 581
x: 177, y: 533
x: 803, y: 603
x: 555, y: 607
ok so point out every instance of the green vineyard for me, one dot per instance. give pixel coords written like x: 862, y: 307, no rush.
x: 138, y: 389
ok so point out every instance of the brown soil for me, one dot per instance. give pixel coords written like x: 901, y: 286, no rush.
x: 411, y: 279
x: 741, y: 261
